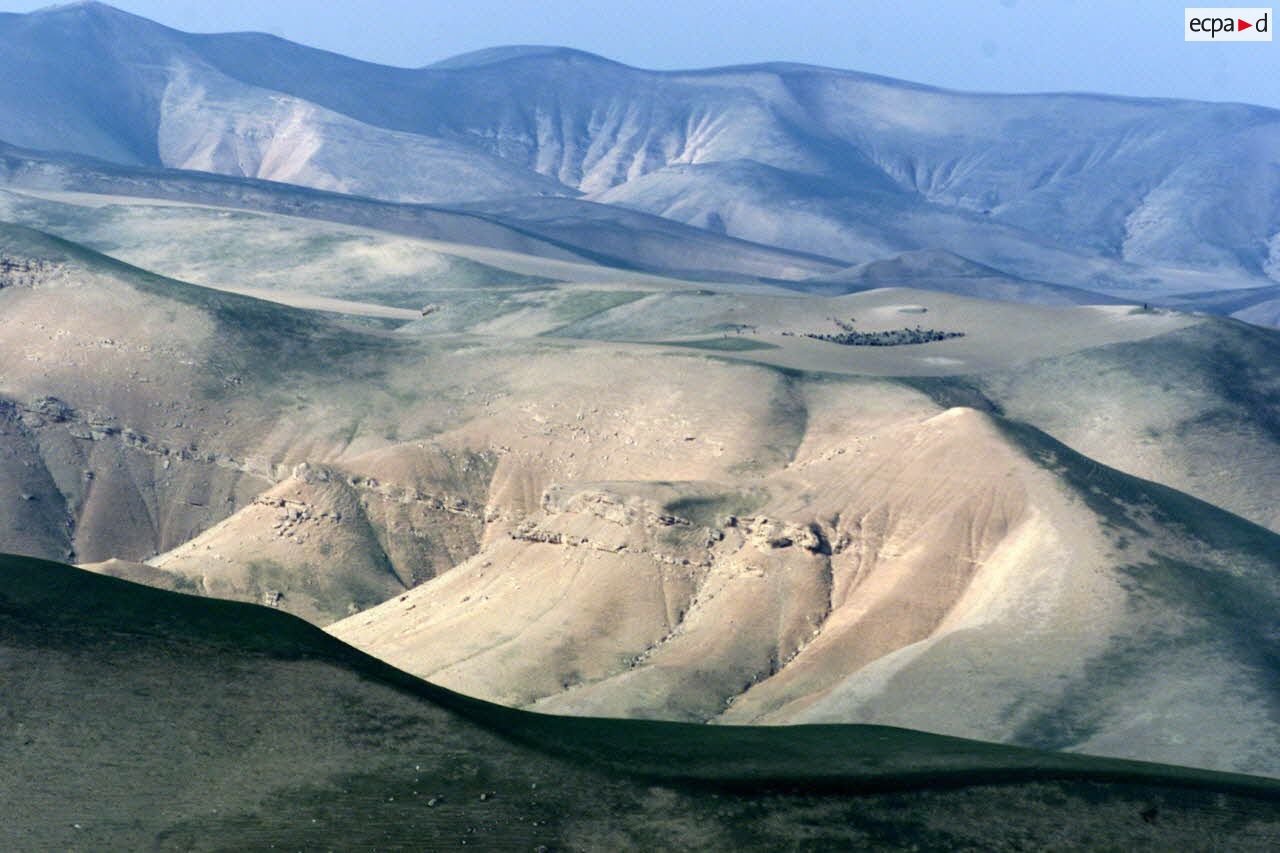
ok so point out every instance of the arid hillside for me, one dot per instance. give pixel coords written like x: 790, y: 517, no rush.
x: 681, y: 504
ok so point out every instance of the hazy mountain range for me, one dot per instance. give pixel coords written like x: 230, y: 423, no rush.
x: 1139, y: 198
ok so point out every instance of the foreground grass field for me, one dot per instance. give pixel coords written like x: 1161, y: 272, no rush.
x: 140, y: 719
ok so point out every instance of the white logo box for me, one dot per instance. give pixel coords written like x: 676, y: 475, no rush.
x: 1211, y: 24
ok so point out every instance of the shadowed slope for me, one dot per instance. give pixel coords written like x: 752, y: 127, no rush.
x: 224, y: 726
x: 1197, y: 409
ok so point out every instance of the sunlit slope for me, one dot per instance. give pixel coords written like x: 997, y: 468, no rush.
x: 778, y: 328
x: 516, y: 420
x: 140, y: 411
x: 152, y: 410
x: 569, y: 501
x: 1186, y: 400
x: 333, y: 267
x: 904, y: 564
x: 230, y: 249
x: 473, y: 441
x: 155, y: 721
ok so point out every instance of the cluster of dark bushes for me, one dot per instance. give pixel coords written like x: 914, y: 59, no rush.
x: 21, y: 272
x: 844, y: 326
x: 893, y: 338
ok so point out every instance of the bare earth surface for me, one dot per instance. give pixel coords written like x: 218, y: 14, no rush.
x: 634, y: 496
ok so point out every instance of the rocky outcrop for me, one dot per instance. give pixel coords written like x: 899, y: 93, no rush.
x: 770, y: 533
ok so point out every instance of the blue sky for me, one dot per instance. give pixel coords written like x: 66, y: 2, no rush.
x: 1132, y: 47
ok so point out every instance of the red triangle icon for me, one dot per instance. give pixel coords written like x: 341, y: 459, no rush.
x: 1243, y: 25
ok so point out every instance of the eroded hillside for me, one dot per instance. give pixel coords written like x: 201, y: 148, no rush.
x: 736, y: 525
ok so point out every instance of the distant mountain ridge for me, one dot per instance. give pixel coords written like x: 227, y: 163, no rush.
x: 559, y: 228
x: 1132, y: 197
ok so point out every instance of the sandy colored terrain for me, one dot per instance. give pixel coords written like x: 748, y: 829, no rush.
x: 904, y: 564
x: 611, y: 518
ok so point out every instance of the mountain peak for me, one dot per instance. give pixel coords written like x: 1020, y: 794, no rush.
x: 514, y: 53
x: 88, y: 5
x: 92, y: 10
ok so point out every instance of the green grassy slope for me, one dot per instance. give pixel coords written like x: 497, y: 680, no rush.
x: 135, y: 718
